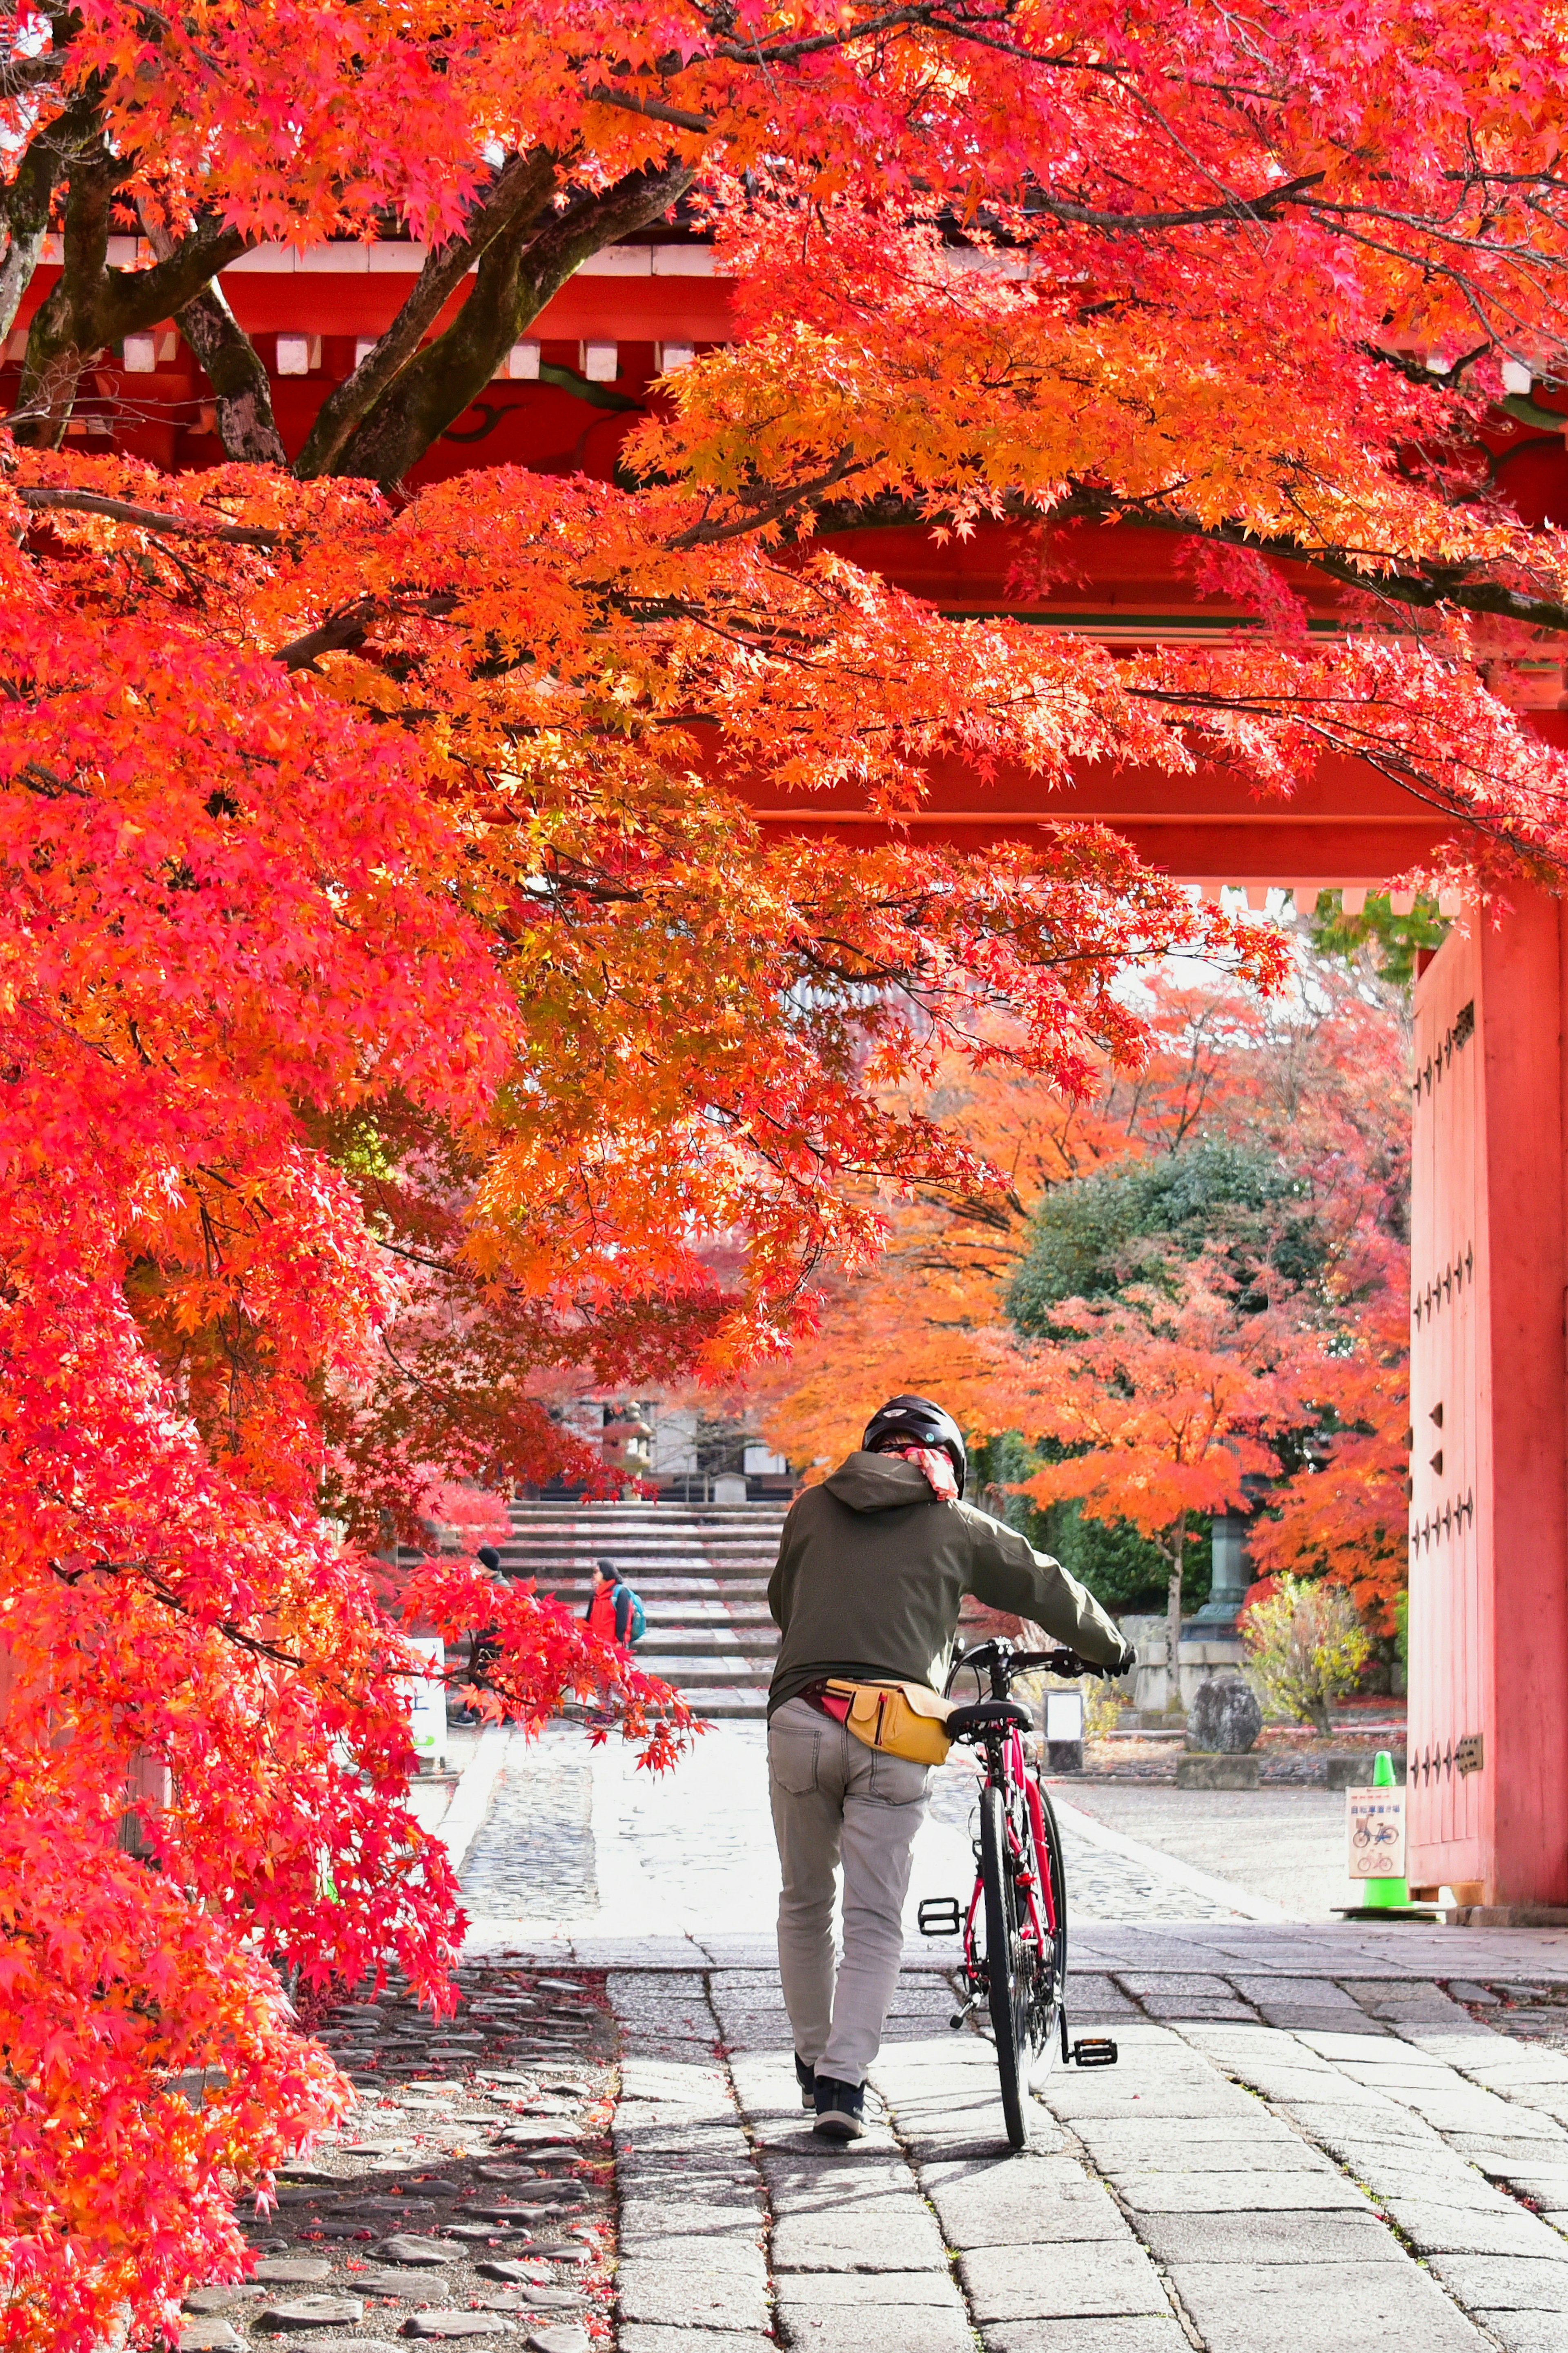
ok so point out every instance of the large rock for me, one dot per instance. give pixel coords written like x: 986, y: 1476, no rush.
x: 408, y: 2247
x: 1225, y: 1719
x: 311, y: 2312
x: 457, y: 2324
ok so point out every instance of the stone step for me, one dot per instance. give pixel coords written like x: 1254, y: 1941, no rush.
x: 691, y: 1642
x: 675, y: 1667
x: 719, y: 1706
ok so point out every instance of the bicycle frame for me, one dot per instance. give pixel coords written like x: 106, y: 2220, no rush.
x: 1014, y: 1774
x: 1014, y: 1931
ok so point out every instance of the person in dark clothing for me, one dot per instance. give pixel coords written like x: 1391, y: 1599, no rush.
x: 484, y: 1643
x: 873, y: 1567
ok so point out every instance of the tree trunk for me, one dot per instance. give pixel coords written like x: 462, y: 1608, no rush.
x: 519, y: 194
x: 246, y: 425
x: 92, y: 305
x: 518, y: 272
x: 27, y: 202
x: 1174, y: 1620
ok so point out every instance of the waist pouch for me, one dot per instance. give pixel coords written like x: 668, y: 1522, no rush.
x: 902, y: 1719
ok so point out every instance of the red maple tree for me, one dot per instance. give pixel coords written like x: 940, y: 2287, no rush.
x: 400, y: 1007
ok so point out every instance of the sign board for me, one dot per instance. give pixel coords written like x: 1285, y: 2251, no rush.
x: 1374, y: 1833
x: 1063, y: 1715
x: 428, y: 1703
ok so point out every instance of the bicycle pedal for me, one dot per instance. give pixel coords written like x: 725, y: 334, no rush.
x: 939, y: 1915
x: 1094, y: 2051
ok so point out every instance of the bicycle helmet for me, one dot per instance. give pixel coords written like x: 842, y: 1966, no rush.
x: 916, y: 1421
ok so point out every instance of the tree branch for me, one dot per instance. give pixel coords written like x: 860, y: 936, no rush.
x: 176, y: 526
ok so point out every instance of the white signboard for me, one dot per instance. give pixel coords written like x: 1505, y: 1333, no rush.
x: 427, y: 1703
x: 1063, y: 1715
x: 1374, y: 1833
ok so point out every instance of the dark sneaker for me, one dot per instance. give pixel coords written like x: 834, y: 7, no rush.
x: 807, y: 2079
x: 839, y: 2109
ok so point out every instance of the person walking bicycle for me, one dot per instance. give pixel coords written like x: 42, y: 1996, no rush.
x: 873, y: 1567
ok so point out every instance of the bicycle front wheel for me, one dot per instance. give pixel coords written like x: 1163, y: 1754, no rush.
x: 1006, y: 1990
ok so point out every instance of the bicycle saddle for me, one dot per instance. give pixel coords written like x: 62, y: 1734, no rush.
x: 988, y: 1715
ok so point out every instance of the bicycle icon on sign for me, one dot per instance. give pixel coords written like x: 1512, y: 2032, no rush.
x: 1370, y: 1835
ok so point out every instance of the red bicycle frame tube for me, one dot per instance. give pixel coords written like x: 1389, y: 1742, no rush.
x: 1034, y: 1927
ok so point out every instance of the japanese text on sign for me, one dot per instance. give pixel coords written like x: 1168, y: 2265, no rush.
x: 1374, y: 1833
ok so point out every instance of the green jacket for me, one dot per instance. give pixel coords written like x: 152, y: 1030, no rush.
x: 871, y: 1569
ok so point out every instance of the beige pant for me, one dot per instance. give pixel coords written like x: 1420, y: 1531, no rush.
x: 834, y: 1799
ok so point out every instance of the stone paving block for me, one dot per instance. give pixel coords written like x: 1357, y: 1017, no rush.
x: 210, y: 2335
x: 692, y: 2296
x: 1331, y: 2122
x: 1310, y: 1993
x: 1309, y: 2308
x: 1070, y: 2097
x: 880, y: 2312
x: 1176, y: 2007
x: 1300, y: 2018
x: 1436, y: 2229
x: 1431, y: 2177
x: 638, y: 2338
x: 1144, y: 2333
x: 1142, y: 1983
x: 737, y: 2249
x: 886, y: 2236
x: 817, y: 2327
x: 679, y: 2209
x: 813, y: 2174
x: 1331, y: 2237
x: 1507, y: 2283
x: 1525, y: 2332
x: 1205, y: 2145
x: 1012, y: 2200
x: 1096, y: 1997
x: 853, y: 2292
x: 1547, y: 2184
x: 1047, y: 2282
x: 1238, y: 2193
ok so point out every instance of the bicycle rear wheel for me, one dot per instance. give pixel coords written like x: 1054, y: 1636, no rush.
x: 1049, y: 2021
x: 1007, y: 1989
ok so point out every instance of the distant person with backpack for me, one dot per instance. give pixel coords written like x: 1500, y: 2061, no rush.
x: 614, y: 1612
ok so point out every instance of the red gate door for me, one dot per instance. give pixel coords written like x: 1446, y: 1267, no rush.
x: 1489, y: 1564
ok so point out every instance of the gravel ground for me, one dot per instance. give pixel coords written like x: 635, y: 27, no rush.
x: 471, y: 2195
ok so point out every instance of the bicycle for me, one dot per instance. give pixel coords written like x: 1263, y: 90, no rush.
x: 1015, y: 1930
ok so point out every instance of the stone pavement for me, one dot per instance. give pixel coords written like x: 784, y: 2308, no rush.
x: 1320, y: 2137
x: 1306, y: 2147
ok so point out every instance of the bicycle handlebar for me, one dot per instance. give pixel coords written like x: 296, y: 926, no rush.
x: 1004, y: 1662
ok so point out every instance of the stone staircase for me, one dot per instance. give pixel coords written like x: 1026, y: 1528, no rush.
x: 701, y: 1570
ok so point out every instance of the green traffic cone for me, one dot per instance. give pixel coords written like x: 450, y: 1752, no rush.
x: 1384, y: 1895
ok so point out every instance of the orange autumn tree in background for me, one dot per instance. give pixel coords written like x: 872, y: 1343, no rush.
x: 1163, y: 1400
x: 1315, y: 1079
x: 401, y: 1010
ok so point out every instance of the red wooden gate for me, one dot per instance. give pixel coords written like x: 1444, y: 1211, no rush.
x: 1489, y: 1564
